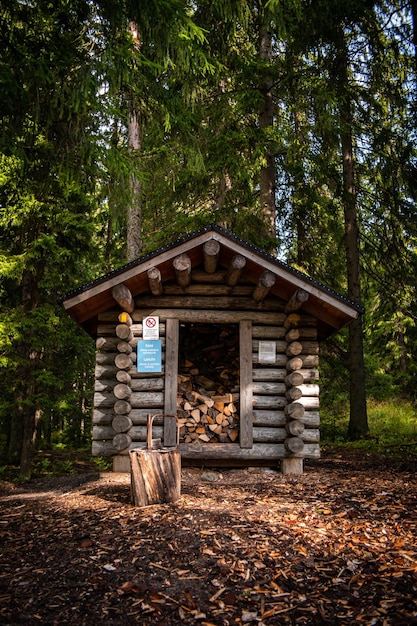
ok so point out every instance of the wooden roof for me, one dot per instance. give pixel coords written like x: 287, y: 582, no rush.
x: 332, y: 310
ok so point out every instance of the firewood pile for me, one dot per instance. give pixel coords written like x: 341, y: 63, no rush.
x: 208, y: 384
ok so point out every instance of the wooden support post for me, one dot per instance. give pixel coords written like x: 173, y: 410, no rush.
x: 171, y: 380
x: 246, y: 391
x: 292, y: 466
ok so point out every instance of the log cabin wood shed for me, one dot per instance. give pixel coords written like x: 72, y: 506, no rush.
x: 232, y: 349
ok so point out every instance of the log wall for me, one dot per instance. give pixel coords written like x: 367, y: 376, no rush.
x: 279, y: 400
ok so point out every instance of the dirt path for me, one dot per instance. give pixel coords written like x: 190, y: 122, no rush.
x: 336, y: 546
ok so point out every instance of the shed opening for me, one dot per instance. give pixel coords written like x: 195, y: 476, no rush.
x: 208, y: 383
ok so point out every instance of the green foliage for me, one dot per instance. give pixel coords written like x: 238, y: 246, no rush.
x: 392, y: 427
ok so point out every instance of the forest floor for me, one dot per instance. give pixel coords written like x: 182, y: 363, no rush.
x: 337, y: 545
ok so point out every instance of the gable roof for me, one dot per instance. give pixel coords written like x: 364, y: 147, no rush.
x: 333, y: 310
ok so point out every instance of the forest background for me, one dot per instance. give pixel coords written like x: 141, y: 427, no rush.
x: 127, y: 125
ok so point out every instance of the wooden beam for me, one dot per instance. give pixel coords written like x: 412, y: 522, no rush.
x: 171, y: 381
x: 264, y: 286
x: 296, y: 301
x: 155, y: 281
x: 246, y: 394
x: 182, y: 267
x: 211, y: 250
x: 123, y: 297
x: 235, y: 270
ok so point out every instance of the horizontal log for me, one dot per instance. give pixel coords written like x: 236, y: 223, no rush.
x: 269, y: 388
x: 104, y: 385
x: 121, y: 423
x: 294, y: 379
x: 201, y: 453
x: 295, y: 410
x: 213, y: 316
x: 295, y: 428
x: 310, y: 419
x: 294, y: 364
x: 280, y: 360
x: 310, y: 347
x: 123, y: 361
x: 105, y: 358
x: 122, y: 407
x: 103, y: 399
x: 122, y: 391
x: 294, y: 445
x: 103, y: 433
x: 103, y: 371
x: 102, y: 417
x: 107, y: 344
x: 268, y: 332
x: 292, y: 335
x: 147, y: 399
x: 277, y: 435
x: 203, y: 289
x: 309, y: 402
x: 268, y: 402
x: 123, y: 377
x: 198, y: 275
x: 124, y: 346
x: 206, y: 303
x: 259, y: 452
x: 294, y: 320
x: 293, y: 394
x: 269, y: 373
x: 138, y: 433
x: 148, y: 384
x: 122, y: 441
x: 103, y: 448
x: 310, y: 375
x: 123, y: 331
x: 310, y: 390
x: 294, y: 349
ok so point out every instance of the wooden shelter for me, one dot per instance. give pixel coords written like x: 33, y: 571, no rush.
x: 222, y: 335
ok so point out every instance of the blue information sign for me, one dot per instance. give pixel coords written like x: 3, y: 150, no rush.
x: 149, y: 356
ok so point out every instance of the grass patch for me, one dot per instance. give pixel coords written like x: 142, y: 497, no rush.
x: 392, y: 427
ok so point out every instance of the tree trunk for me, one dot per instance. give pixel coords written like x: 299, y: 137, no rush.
x: 266, y: 120
x: 413, y: 7
x: 358, y: 420
x: 134, y: 211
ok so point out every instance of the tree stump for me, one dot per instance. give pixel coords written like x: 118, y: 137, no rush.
x: 155, y: 474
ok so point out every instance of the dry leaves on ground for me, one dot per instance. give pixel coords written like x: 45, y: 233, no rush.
x: 335, y: 546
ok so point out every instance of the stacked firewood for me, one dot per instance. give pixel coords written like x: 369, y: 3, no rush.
x: 208, y: 394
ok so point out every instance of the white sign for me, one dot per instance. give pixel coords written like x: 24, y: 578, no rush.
x: 150, y: 327
x: 267, y: 351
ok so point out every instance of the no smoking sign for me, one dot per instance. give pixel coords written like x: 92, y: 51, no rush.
x: 150, y: 327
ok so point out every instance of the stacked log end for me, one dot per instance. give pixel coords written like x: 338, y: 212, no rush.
x: 301, y: 394
x: 122, y: 391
